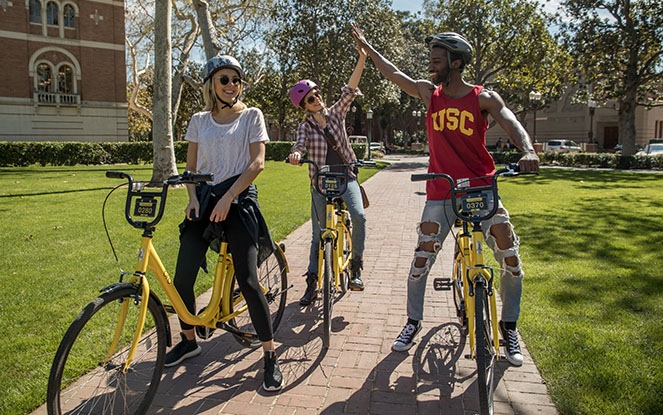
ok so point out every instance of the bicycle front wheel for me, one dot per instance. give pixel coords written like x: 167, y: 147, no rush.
x: 88, y: 376
x: 327, y: 292
x: 485, y: 352
x: 273, y: 279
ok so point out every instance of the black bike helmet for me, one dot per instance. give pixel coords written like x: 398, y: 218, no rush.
x: 454, y: 43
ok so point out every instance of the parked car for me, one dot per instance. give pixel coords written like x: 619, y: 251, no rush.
x: 563, y: 146
x: 378, y: 147
x: 651, y: 149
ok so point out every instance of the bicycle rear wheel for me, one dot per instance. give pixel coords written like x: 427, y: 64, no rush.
x: 347, y: 251
x: 485, y: 352
x: 87, y: 375
x: 273, y: 278
x: 327, y: 292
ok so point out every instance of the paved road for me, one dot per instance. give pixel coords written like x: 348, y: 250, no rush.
x: 358, y: 374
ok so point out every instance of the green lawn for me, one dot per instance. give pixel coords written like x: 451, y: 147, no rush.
x: 592, y: 306
x: 593, y: 290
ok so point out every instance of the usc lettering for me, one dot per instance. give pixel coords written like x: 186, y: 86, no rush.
x: 454, y: 119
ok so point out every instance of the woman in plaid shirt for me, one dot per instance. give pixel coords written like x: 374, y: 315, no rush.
x: 319, y: 122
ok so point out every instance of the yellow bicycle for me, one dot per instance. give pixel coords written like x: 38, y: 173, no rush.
x: 474, y: 201
x: 111, y: 358
x: 335, y: 251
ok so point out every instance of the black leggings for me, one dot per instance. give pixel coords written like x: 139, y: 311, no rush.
x: 193, y: 249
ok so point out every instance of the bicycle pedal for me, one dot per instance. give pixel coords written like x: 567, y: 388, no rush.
x: 169, y: 309
x: 442, y: 284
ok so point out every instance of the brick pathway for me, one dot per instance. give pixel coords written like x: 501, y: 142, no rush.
x: 358, y: 374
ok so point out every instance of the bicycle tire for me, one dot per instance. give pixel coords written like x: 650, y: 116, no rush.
x: 458, y: 294
x: 327, y: 293
x: 273, y: 278
x: 82, y: 382
x: 347, y: 252
x: 485, y: 354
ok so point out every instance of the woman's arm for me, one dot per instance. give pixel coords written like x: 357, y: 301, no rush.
x: 353, y: 83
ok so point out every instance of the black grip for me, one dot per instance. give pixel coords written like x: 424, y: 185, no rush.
x: 203, y: 177
x: 419, y: 177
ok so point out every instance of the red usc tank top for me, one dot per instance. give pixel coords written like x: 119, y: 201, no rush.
x: 456, y: 140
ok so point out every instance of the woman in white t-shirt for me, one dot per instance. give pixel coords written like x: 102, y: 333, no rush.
x: 227, y: 139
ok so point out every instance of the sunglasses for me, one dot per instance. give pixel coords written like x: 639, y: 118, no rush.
x: 311, y: 99
x: 223, y: 80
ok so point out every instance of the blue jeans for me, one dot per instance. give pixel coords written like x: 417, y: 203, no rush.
x: 511, y: 278
x: 352, y: 199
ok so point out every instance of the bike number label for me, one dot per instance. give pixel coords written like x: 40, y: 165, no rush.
x: 330, y: 184
x: 145, y: 207
x: 474, y: 203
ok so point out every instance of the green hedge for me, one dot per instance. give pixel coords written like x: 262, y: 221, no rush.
x: 594, y: 160
x: 18, y: 154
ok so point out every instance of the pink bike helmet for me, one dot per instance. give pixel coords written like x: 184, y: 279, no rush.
x: 299, y: 91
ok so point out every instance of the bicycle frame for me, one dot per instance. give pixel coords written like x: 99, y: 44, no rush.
x: 471, y: 245
x: 211, y: 316
x: 334, y: 231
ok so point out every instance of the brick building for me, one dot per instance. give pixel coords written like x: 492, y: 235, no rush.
x: 63, y: 70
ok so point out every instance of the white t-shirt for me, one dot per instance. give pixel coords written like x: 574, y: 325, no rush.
x: 223, y: 149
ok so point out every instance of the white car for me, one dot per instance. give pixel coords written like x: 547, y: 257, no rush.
x: 563, y: 146
x: 377, y: 147
x: 651, y: 150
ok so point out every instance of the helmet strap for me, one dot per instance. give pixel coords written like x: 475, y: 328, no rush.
x: 224, y: 103
x: 449, y: 67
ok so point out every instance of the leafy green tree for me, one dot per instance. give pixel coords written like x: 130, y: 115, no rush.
x: 618, y: 46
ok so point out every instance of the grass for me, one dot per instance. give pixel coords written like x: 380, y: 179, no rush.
x: 56, y: 255
x: 592, y: 303
x: 593, y: 290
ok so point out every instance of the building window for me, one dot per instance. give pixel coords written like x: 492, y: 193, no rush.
x: 35, y: 11
x: 44, y: 78
x: 69, y: 15
x: 66, y: 80
x: 52, y: 13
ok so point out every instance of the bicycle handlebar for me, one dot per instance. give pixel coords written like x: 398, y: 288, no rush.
x: 334, y: 184
x: 151, y: 204
x: 477, y: 203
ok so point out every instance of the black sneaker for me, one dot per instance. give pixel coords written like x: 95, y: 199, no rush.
x: 404, y: 341
x: 511, y: 344
x: 355, y: 283
x: 311, y: 292
x: 182, y: 350
x: 273, y: 380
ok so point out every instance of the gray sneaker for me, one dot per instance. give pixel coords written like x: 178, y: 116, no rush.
x: 404, y: 341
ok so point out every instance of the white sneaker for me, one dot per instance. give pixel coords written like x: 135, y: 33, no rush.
x: 404, y: 341
x: 511, y: 346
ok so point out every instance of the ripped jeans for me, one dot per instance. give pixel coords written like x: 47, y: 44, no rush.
x: 439, y: 215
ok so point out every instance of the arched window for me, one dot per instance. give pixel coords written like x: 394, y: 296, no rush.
x: 52, y: 12
x: 66, y: 80
x: 44, y: 78
x: 35, y: 11
x: 69, y: 15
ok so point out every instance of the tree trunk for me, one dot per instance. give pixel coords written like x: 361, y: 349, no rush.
x: 162, y: 127
x: 210, y: 43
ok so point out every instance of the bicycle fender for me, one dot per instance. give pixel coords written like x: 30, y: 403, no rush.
x: 122, y: 285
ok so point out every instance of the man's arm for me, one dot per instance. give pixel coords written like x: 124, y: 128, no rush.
x: 492, y: 103
x: 418, y: 89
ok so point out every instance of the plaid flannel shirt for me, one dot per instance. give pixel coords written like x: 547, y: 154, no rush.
x: 311, y: 139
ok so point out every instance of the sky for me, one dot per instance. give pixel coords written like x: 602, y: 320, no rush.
x: 414, y: 6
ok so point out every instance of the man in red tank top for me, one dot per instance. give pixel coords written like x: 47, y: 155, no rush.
x: 456, y: 123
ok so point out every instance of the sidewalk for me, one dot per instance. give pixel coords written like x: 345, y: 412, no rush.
x: 359, y: 373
